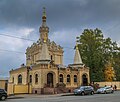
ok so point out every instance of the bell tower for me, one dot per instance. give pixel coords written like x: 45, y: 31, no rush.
x: 44, y: 29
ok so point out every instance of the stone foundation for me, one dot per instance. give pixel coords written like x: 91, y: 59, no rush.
x: 49, y: 90
x: 36, y: 91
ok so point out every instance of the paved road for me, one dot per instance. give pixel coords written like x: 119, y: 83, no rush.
x: 89, y: 98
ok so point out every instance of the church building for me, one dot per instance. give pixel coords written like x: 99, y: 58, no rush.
x: 44, y: 72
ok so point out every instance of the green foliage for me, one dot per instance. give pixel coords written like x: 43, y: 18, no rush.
x: 96, y: 51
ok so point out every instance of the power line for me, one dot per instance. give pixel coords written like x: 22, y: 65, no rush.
x: 26, y: 39
x: 69, y: 48
x: 114, y: 26
x: 11, y: 51
x: 20, y: 52
x: 16, y: 37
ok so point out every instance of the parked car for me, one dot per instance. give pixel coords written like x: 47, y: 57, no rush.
x: 105, y: 90
x: 84, y: 90
x: 3, y: 94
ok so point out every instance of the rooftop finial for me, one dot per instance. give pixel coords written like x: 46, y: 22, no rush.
x: 44, y: 17
x: 77, y: 43
x: 44, y: 12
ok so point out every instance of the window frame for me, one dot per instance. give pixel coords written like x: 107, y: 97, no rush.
x: 19, y: 79
x: 68, y: 78
x: 61, y: 79
x: 36, y: 78
x: 30, y: 79
x: 75, y: 78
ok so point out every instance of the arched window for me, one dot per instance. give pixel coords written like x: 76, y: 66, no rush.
x: 84, y: 79
x: 13, y: 79
x: 75, y: 78
x: 20, y: 79
x: 30, y: 79
x: 36, y: 78
x: 61, y: 78
x: 51, y: 57
x: 68, y: 78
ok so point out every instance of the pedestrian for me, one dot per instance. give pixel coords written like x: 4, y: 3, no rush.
x: 115, y: 87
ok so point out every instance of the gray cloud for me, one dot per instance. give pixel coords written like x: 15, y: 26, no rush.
x: 63, y: 13
x: 65, y: 18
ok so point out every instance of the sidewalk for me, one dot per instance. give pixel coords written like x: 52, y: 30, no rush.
x: 37, y: 95
x: 40, y: 96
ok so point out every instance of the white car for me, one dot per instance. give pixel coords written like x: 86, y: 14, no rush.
x: 105, y: 90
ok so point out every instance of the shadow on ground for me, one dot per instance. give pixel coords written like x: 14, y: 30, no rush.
x: 15, y: 97
x: 68, y: 95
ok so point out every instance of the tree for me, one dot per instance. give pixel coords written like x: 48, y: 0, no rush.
x: 91, y: 50
x: 116, y: 64
x: 97, y: 51
x: 109, y: 72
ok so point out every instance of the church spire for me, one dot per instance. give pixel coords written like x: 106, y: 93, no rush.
x: 44, y: 30
x: 77, y: 57
x: 44, y: 12
x: 44, y: 17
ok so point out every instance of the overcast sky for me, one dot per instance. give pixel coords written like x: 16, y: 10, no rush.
x: 66, y: 19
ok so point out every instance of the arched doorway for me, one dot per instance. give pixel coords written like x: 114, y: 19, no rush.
x: 50, y: 80
x: 84, y: 80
